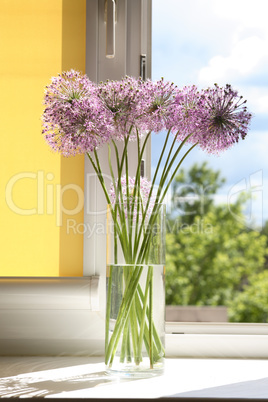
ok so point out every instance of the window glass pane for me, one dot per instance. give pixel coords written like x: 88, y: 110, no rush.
x: 217, y: 232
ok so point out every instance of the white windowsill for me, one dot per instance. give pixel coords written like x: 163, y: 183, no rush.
x: 73, y: 377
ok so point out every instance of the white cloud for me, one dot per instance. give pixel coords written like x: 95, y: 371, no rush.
x: 245, y: 56
x: 244, y: 65
x: 257, y: 101
x: 245, y: 12
x: 220, y: 41
x: 261, y: 103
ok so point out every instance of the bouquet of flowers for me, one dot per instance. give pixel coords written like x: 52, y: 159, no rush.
x: 81, y: 116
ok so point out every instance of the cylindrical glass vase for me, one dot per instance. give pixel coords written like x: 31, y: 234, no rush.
x: 135, y: 294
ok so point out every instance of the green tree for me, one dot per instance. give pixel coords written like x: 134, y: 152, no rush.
x: 264, y: 231
x: 193, y: 191
x: 214, y: 258
x: 251, y: 305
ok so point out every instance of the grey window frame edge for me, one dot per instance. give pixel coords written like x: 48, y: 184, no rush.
x: 45, y: 293
x: 217, y: 340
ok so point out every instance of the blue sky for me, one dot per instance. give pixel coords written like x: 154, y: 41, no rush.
x: 224, y: 41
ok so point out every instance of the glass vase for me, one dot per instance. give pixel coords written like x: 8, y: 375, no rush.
x: 135, y: 294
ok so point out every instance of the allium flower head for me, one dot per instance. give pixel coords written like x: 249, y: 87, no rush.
x: 123, y: 100
x: 224, y: 119
x: 158, y: 105
x: 129, y: 197
x: 186, y: 111
x: 74, y: 120
x: 80, y: 116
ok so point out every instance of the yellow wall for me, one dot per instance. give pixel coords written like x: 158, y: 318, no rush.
x: 38, y: 40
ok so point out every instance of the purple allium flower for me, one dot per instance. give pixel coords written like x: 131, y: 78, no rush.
x: 124, y: 101
x: 158, y: 105
x: 186, y: 112
x: 80, y: 116
x: 75, y: 121
x: 141, y: 197
x: 223, y: 119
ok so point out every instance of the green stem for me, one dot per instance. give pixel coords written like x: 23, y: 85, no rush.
x: 108, y: 307
x: 175, y: 172
x: 123, y: 313
x: 143, y: 314
x: 150, y: 193
x: 157, y: 340
x: 125, y: 347
x: 131, y: 314
x: 157, y: 169
x: 158, y: 349
x: 128, y: 209
x: 158, y: 202
x: 149, y: 335
x: 151, y: 319
x: 100, y: 177
x: 129, y: 357
x: 136, y: 194
x: 119, y: 197
x: 117, y: 209
x: 131, y: 325
x: 134, y: 331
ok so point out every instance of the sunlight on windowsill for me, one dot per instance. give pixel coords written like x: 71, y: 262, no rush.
x: 84, y: 377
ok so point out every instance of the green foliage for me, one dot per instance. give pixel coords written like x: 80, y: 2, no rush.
x: 212, y: 258
x: 251, y: 305
x: 193, y: 190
